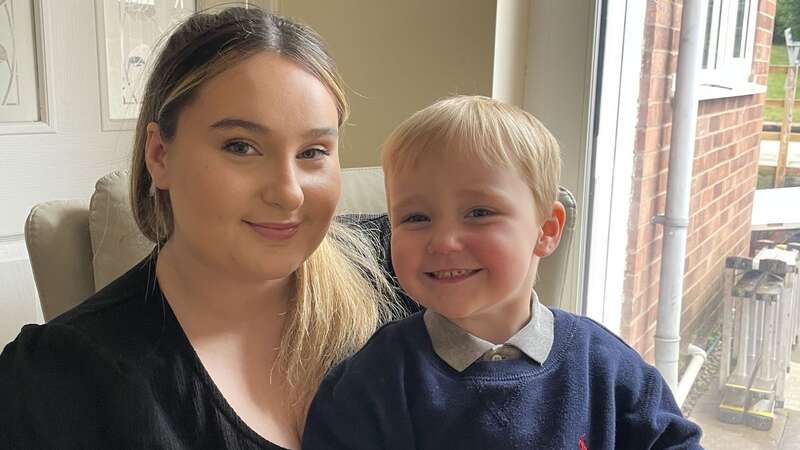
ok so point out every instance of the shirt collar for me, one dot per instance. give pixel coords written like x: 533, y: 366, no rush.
x: 459, y: 349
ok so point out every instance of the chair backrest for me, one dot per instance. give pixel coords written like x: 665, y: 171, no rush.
x: 77, y: 248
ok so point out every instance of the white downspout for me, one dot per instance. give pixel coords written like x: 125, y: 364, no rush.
x: 679, y: 182
x: 685, y: 386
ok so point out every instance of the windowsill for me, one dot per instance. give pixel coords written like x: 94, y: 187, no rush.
x: 711, y: 92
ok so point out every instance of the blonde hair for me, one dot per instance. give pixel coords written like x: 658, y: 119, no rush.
x: 341, y: 293
x: 479, y: 127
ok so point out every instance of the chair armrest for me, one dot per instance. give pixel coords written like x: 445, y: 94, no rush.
x: 57, y: 238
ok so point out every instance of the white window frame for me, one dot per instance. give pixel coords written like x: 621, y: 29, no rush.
x: 720, y: 68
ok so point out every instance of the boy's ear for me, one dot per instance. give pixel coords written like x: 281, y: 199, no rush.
x: 551, y: 230
x: 155, y: 157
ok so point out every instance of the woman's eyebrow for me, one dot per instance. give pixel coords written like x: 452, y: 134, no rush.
x: 231, y: 122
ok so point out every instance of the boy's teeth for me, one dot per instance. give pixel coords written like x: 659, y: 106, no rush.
x: 450, y: 273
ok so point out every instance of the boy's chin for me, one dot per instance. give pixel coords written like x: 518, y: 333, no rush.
x: 453, y: 313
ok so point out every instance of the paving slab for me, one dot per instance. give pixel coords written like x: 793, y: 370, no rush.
x: 785, y: 432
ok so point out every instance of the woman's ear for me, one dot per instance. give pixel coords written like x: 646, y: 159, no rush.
x: 155, y: 157
x: 551, y: 230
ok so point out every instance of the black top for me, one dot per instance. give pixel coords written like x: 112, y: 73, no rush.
x: 118, y: 372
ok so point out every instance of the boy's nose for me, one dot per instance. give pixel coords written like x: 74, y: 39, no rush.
x: 444, y: 240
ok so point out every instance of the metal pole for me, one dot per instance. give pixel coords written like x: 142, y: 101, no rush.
x: 728, y: 314
x: 786, y: 126
x: 679, y: 182
x: 789, y: 88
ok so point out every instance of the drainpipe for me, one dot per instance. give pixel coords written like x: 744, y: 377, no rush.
x: 695, y: 364
x: 679, y: 183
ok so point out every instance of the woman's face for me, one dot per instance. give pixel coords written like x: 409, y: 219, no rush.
x: 253, y: 170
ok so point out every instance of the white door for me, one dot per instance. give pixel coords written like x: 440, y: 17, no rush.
x: 68, y: 72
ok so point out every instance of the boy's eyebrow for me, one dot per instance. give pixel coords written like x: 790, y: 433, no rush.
x: 484, y: 192
x: 403, y: 202
x: 232, y: 122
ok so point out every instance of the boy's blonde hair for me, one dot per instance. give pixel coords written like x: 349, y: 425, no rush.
x: 480, y: 127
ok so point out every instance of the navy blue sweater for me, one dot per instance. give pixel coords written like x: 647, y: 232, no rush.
x: 593, y: 392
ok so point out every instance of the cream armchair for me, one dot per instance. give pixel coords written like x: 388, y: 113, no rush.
x: 78, y: 247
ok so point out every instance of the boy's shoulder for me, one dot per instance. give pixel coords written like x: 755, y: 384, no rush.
x: 602, y: 345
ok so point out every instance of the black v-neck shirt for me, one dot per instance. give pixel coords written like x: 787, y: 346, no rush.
x: 118, y: 372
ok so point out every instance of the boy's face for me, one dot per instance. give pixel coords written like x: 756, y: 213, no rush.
x: 466, y: 239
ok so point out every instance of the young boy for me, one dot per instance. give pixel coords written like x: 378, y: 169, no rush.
x: 471, y: 185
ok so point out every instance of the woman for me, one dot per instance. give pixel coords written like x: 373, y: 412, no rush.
x: 220, y: 338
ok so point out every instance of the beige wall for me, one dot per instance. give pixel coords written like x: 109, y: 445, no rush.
x: 399, y: 56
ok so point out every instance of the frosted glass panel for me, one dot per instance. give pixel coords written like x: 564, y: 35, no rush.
x: 131, y: 31
x: 19, y: 100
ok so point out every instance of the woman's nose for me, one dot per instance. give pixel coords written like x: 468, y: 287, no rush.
x: 283, y: 189
x: 444, y: 239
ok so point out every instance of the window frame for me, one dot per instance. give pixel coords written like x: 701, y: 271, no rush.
x: 723, y: 68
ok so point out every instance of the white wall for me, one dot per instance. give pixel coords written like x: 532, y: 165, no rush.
x: 20, y: 301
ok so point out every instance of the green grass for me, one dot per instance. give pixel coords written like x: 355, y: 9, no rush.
x: 766, y: 178
x: 775, y: 84
x: 778, y: 56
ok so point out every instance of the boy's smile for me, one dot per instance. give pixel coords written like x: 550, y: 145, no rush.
x: 452, y: 275
x: 466, y: 241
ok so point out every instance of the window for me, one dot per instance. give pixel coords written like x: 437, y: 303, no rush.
x: 729, y: 38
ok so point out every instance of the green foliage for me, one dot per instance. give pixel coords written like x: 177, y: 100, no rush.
x: 787, y: 15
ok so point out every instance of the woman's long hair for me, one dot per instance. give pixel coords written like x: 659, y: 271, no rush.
x: 341, y: 292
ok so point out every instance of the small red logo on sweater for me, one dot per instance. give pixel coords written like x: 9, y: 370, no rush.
x: 582, y: 444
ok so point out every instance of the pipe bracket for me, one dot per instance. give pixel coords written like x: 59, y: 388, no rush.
x: 670, y: 222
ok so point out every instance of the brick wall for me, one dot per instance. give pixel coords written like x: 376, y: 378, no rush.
x: 723, y: 181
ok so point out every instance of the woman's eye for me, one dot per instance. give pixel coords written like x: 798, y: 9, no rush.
x: 479, y: 212
x: 415, y: 218
x: 241, y: 148
x: 313, y: 153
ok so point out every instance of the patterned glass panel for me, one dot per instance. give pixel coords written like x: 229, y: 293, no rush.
x: 19, y: 100
x: 132, y: 31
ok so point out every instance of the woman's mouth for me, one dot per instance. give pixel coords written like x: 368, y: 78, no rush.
x: 278, y: 231
x: 452, y: 275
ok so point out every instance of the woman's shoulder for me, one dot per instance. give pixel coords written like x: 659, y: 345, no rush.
x: 67, y: 373
x: 122, y: 294
x: 114, y: 324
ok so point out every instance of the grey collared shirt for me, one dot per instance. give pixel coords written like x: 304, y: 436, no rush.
x: 459, y: 349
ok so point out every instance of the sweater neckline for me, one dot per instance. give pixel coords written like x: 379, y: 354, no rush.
x: 510, y: 370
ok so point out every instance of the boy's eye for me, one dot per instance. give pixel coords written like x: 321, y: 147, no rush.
x: 479, y: 212
x: 415, y: 218
x: 313, y: 153
x: 241, y: 148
